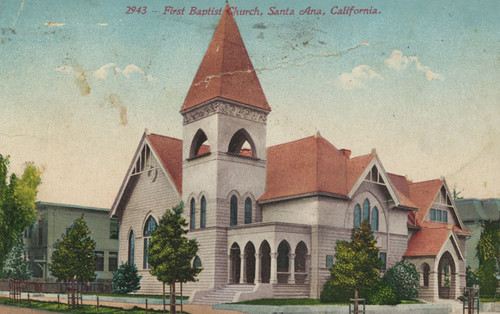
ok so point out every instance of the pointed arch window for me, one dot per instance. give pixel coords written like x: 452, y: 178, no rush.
x: 131, y: 248
x: 203, y: 214
x: 357, y: 215
x: 248, y: 210
x: 241, y: 144
x: 192, y: 215
x: 366, y: 210
x: 233, y: 219
x: 375, y: 219
x: 149, y: 228
x: 197, y: 261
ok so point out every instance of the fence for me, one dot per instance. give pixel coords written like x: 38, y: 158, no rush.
x: 55, y: 287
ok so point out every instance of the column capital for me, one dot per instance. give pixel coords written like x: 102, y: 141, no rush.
x: 258, y: 255
x: 291, y: 255
x: 274, y: 255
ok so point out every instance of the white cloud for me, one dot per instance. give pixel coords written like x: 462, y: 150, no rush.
x: 399, y: 62
x: 357, y: 78
x: 102, y: 24
x: 102, y: 72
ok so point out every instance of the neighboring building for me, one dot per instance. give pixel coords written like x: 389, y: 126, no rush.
x: 54, y: 220
x: 474, y: 213
x: 267, y: 219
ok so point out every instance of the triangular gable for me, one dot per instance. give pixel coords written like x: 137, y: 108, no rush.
x: 454, y: 241
x: 453, y: 205
x: 426, y: 194
x: 145, y: 150
x: 380, y: 177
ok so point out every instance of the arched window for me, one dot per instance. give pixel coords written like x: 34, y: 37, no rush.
x: 200, y: 145
x: 375, y: 219
x: 233, y: 219
x: 426, y: 270
x: 357, y: 215
x: 242, y: 144
x: 148, y: 231
x: 197, y: 261
x: 203, y: 214
x: 192, y: 215
x: 131, y: 248
x: 366, y: 210
x: 283, y: 260
x: 248, y: 210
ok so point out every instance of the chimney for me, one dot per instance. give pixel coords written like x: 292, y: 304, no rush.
x: 346, y: 152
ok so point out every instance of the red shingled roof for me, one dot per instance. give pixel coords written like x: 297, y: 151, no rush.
x: 402, y: 186
x: 226, y: 70
x: 309, y: 165
x: 169, y: 151
x: 427, y: 242
x: 423, y: 195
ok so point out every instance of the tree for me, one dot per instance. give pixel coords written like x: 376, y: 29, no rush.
x: 17, y: 203
x: 170, y: 253
x: 488, y: 253
x: 126, y: 279
x: 74, y: 255
x: 403, y: 278
x: 357, y: 263
x: 15, y: 267
x: 457, y: 195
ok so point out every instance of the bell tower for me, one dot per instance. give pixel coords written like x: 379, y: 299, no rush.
x: 224, y: 132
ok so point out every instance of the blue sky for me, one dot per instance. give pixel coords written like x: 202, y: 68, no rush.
x: 81, y: 80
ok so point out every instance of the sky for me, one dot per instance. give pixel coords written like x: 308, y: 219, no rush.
x: 80, y: 81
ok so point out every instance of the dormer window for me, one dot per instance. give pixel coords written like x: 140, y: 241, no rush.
x: 443, y: 198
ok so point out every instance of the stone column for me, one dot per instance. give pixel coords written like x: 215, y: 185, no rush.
x: 291, y: 268
x: 229, y: 269
x: 258, y: 266
x: 308, y: 269
x: 243, y: 268
x: 274, y: 268
x: 434, y: 285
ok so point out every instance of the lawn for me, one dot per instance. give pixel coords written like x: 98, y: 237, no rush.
x: 142, y: 296
x: 304, y: 302
x: 287, y: 302
x: 63, y: 307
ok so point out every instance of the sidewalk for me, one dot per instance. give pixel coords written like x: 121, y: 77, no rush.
x: 123, y: 302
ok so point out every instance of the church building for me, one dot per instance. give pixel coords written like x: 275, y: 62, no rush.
x: 267, y: 218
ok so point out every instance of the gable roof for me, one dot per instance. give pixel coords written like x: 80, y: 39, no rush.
x: 430, y: 240
x: 168, y: 152
x: 226, y: 70
x: 402, y: 187
x: 427, y: 242
x: 310, y: 165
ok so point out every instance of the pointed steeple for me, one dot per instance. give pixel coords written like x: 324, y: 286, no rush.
x: 226, y: 70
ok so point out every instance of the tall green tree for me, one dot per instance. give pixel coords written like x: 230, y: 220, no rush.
x: 357, y: 263
x: 488, y: 253
x: 15, y: 267
x: 17, y: 203
x: 74, y: 255
x: 170, y: 253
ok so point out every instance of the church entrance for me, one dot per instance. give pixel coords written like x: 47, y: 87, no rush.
x: 265, y: 255
x: 235, y: 263
x: 446, y: 276
x: 250, y: 262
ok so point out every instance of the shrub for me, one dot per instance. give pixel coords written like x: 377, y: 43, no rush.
x: 382, y: 293
x: 126, y: 279
x: 335, y: 294
x: 403, y: 278
x: 487, y: 279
